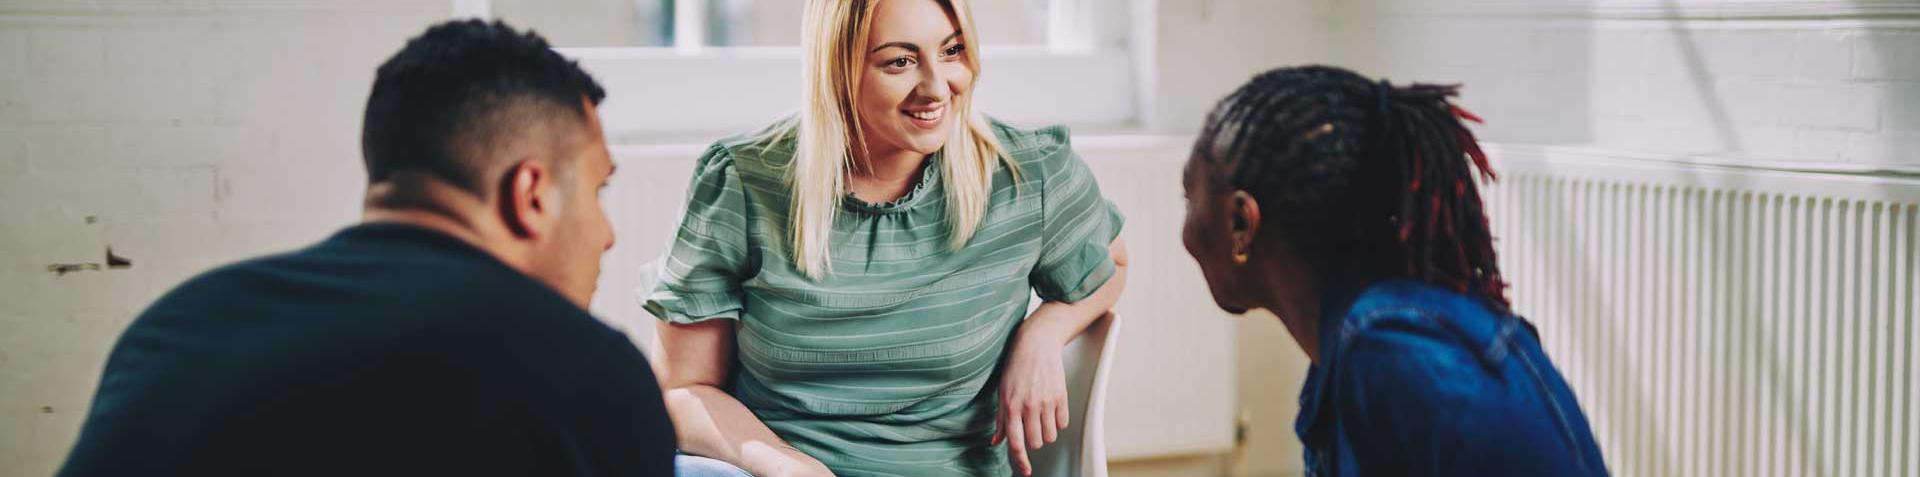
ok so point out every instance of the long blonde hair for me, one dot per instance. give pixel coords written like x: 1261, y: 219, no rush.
x: 833, y: 49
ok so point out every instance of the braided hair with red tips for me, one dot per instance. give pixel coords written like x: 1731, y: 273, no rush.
x: 1365, y: 180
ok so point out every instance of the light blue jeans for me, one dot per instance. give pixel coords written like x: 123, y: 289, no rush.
x: 696, y: 466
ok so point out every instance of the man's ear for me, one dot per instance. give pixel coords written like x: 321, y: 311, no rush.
x: 524, y: 205
x: 1244, y: 212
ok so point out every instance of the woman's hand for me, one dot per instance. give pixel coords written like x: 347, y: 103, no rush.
x: 1033, y: 392
x: 1033, y: 385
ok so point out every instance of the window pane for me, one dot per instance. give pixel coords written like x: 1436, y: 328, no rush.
x: 754, y: 22
x: 588, y: 23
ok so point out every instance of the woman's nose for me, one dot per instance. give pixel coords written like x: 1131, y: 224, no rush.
x: 933, y: 84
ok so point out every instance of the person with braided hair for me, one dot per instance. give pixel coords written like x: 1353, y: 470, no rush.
x: 1349, y: 208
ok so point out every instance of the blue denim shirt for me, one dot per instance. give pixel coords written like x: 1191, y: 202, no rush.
x: 1414, y: 379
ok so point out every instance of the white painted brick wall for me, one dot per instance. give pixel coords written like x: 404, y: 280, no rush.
x: 13, y: 153
x: 1887, y: 56
x: 184, y: 135
x: 1824, y: 55
x: 1845, y: 106
x: 1841, y: 93
x: 1903, y: 111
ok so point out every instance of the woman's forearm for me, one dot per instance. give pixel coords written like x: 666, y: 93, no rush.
x: 713, y: 424
x: 697, y: 357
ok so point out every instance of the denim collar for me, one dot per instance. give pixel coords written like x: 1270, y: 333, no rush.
x: 1463, y: 316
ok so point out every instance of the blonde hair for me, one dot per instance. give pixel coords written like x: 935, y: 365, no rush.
x: 833, y: 49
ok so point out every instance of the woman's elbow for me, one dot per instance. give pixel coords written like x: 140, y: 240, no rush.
x: 1118, y: 251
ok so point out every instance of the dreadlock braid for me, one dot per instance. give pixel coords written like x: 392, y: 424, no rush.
x: 1370, y: 179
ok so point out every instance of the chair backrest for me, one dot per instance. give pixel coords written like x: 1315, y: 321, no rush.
x: 1081, y: 450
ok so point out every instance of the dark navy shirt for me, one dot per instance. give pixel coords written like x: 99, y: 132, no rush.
x: 385, y: 350
x: 1418, y: 380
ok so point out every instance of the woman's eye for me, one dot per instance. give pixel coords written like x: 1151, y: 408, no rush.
x: 955, y: 50
x: 901, y: 62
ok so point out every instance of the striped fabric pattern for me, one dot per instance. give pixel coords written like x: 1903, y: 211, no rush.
x: 887, y: 365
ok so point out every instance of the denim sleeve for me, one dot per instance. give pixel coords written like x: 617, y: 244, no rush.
x: 1415, y: 400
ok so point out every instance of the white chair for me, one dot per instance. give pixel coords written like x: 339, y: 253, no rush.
x: 1081, y: 450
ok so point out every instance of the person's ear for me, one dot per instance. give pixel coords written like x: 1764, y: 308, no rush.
x: 524, y: 204
x: 1244, y: 212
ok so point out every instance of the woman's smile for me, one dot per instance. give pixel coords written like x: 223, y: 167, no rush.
x: 926, y: 118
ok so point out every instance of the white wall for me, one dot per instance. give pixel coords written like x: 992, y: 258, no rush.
x: 1199, y: 52
x: 180, y: 134
x: 1195, y: 52
x: 1807, y: 85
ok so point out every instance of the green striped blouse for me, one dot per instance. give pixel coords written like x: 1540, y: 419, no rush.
x: 888, y: 365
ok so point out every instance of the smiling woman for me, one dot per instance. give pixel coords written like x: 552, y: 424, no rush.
x: 867, y: 265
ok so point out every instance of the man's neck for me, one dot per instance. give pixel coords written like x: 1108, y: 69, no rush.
x: 440, y: 208
x: 426, y: 220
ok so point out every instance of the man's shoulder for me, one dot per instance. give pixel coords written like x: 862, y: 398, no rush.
x: 349, y: 279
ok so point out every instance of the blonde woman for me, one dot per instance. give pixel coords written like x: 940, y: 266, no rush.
x: 847, y: 293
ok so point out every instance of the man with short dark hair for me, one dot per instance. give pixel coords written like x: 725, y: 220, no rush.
x: 446, y: 335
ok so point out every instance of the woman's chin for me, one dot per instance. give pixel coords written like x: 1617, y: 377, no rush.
x: 919, y: 141
x: 926, y: 144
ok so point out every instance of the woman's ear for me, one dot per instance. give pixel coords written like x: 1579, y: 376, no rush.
x: 524, y: 205
x: 1245, y: 215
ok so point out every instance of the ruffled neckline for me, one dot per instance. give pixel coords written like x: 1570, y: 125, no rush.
x: 928, y: 174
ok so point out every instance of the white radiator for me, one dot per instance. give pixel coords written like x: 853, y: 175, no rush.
x: 1172, y: 390
x: 1721, y: 321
